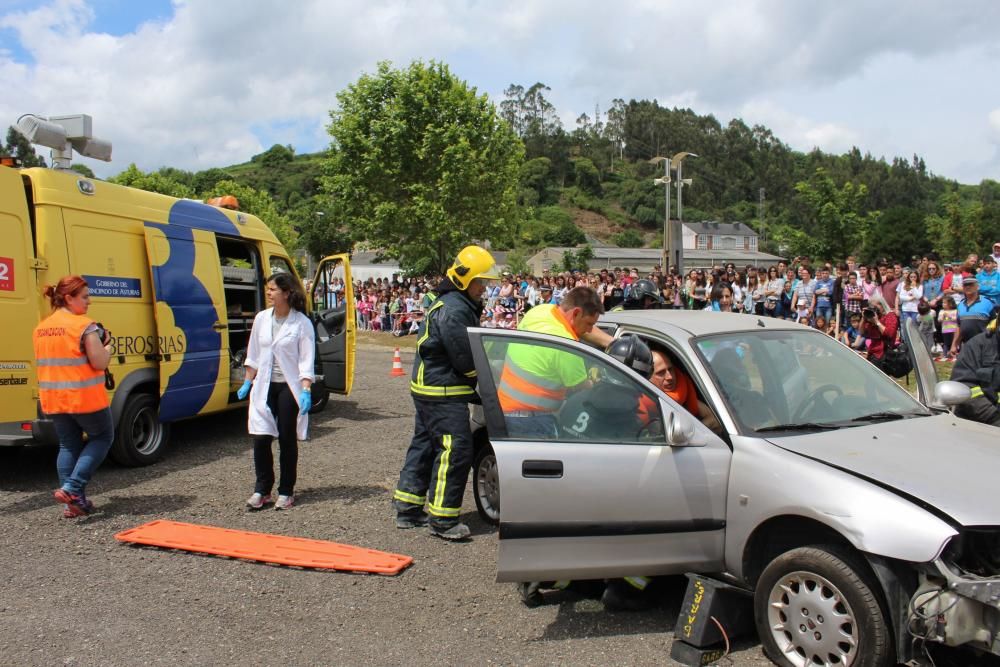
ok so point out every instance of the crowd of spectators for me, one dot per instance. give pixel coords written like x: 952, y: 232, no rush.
x: 863, y: 305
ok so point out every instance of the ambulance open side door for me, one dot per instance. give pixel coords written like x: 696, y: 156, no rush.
x: 191, y: 322
x: 19, y: 305
x: 332, y: 297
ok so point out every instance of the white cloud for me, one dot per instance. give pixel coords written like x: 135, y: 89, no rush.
x: 800, y: 132
x: 220, y: 80
x: 994, y: 121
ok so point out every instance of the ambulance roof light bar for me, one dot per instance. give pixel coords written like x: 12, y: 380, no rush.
x: 63, y: 134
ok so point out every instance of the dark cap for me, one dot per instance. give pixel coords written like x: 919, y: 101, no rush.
x: 546, y: 288
x: 970, y: 280
x: 989, y: 259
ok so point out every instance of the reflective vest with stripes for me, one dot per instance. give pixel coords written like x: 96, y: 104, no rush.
x: 67, y: 383
x: 531, y: 380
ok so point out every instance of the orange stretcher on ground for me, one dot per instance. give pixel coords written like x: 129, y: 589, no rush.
x: 279, y: 549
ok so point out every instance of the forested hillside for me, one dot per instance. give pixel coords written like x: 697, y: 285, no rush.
x: 596, y: 179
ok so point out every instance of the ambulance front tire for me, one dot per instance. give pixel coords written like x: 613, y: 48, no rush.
x: 140, y: 437
x: 321, y: 396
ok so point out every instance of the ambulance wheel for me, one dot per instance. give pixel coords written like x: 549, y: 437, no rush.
x: 321, y: 396
x: 140, y: 437
x: 486, y: 485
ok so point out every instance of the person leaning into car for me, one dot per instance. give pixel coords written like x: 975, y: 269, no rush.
x: 536, y: 380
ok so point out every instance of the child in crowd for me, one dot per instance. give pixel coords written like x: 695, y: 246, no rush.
x: 850, y: 335
x: 802, y: 313
x: 925, y: 324
x: 823, y: 325
x: 948, y: 317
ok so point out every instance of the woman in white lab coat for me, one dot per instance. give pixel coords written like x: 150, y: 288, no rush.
x: 279, y: 376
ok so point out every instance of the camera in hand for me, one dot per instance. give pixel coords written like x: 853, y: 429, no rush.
x: 868, y: 313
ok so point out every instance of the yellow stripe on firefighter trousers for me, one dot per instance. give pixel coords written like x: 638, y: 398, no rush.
x: 437, y: 507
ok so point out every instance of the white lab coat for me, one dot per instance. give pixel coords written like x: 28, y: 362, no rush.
x: 295, y: 350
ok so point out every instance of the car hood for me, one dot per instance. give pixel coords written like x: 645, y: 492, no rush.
x: 944, y: 462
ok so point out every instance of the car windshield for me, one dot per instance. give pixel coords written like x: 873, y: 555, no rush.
x: 784, y: 382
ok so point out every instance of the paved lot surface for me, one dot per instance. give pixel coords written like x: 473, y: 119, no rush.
x: 70, y: 594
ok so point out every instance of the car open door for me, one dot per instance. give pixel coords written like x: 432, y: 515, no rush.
x: 582, y: 506
x: 193, y: 349
x: 332, y: 296
x: 923, y: 364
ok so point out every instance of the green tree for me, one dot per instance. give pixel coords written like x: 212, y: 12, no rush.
x: 83, y: 170
x: 953, y: 229
x: 320, y: 232
x: 19, y: 147
x: 832, y: 215
x: 203, y: 181
x: 275, y: 156
x: 151, y: 182
x: 628, y: 238
x: 899, y: 233
x: 587, y: 177
x: 517, y: 262
x: 422, y: 165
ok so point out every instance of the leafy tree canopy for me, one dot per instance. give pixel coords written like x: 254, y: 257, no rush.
x: 421, y: 165
x: 18, y: 146
x: 152, y: 182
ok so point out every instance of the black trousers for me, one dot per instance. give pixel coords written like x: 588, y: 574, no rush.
x: 437, y: 462
x: 286, y: 411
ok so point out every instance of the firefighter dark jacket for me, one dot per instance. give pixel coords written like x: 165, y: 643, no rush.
x: 978, y: 364
x: 443, y: 369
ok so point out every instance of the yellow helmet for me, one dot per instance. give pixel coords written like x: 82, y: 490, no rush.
x: 472, y: 262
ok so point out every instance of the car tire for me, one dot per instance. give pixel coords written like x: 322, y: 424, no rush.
x: 140, y: 437
x: 820, y: 604
x: 321, y: 396
x: 486, y: 485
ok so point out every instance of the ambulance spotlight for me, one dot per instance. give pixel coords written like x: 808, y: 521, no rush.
x: 64, y: 134
x: 40, y: 131
x: 93, y: 148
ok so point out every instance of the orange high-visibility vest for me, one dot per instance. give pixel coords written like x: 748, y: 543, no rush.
x: 67, y: 383
x: 535, y: 378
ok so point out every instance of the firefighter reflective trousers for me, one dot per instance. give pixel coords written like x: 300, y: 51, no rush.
x: 437, y: 463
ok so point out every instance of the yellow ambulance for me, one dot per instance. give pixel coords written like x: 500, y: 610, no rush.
x: 176, y: 281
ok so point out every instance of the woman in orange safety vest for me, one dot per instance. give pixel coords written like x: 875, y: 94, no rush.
x: 71, y: 353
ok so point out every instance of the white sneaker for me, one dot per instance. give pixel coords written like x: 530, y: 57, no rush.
x: 284, y: 502
x: 258, y: 500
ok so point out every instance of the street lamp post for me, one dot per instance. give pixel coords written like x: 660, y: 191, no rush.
x: 665, y: 182
x: 677, y: 162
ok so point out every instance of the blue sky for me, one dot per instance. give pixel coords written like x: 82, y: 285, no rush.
x: 201, y: 83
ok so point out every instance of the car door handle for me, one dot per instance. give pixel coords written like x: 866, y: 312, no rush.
x: 542, y: 469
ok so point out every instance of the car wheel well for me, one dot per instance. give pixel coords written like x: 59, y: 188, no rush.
x: 480, y: 438
x: 780, y: 534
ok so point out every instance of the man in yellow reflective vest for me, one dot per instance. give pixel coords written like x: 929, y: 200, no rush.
x: 432, y: 481
x: 536, y: 379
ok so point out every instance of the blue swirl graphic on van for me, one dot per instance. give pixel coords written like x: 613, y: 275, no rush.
x: 176, y: 285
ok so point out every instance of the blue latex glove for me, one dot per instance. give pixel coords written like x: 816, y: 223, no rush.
x: 244, y: 391
x: 305, y: 401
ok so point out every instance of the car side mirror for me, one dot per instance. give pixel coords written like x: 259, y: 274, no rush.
x: 950, y: 393
x: 680, y: 429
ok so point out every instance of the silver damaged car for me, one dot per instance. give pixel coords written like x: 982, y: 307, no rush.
x: 866, y: 522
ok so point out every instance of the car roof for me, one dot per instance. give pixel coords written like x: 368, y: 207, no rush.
x: 698, y: 322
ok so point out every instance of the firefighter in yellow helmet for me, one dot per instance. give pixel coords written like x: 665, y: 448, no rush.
x: 432, y: 481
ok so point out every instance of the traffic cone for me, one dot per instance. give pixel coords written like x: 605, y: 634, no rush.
x: 397, y: 365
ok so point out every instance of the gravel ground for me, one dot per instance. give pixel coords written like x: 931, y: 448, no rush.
x: 71, y: 594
